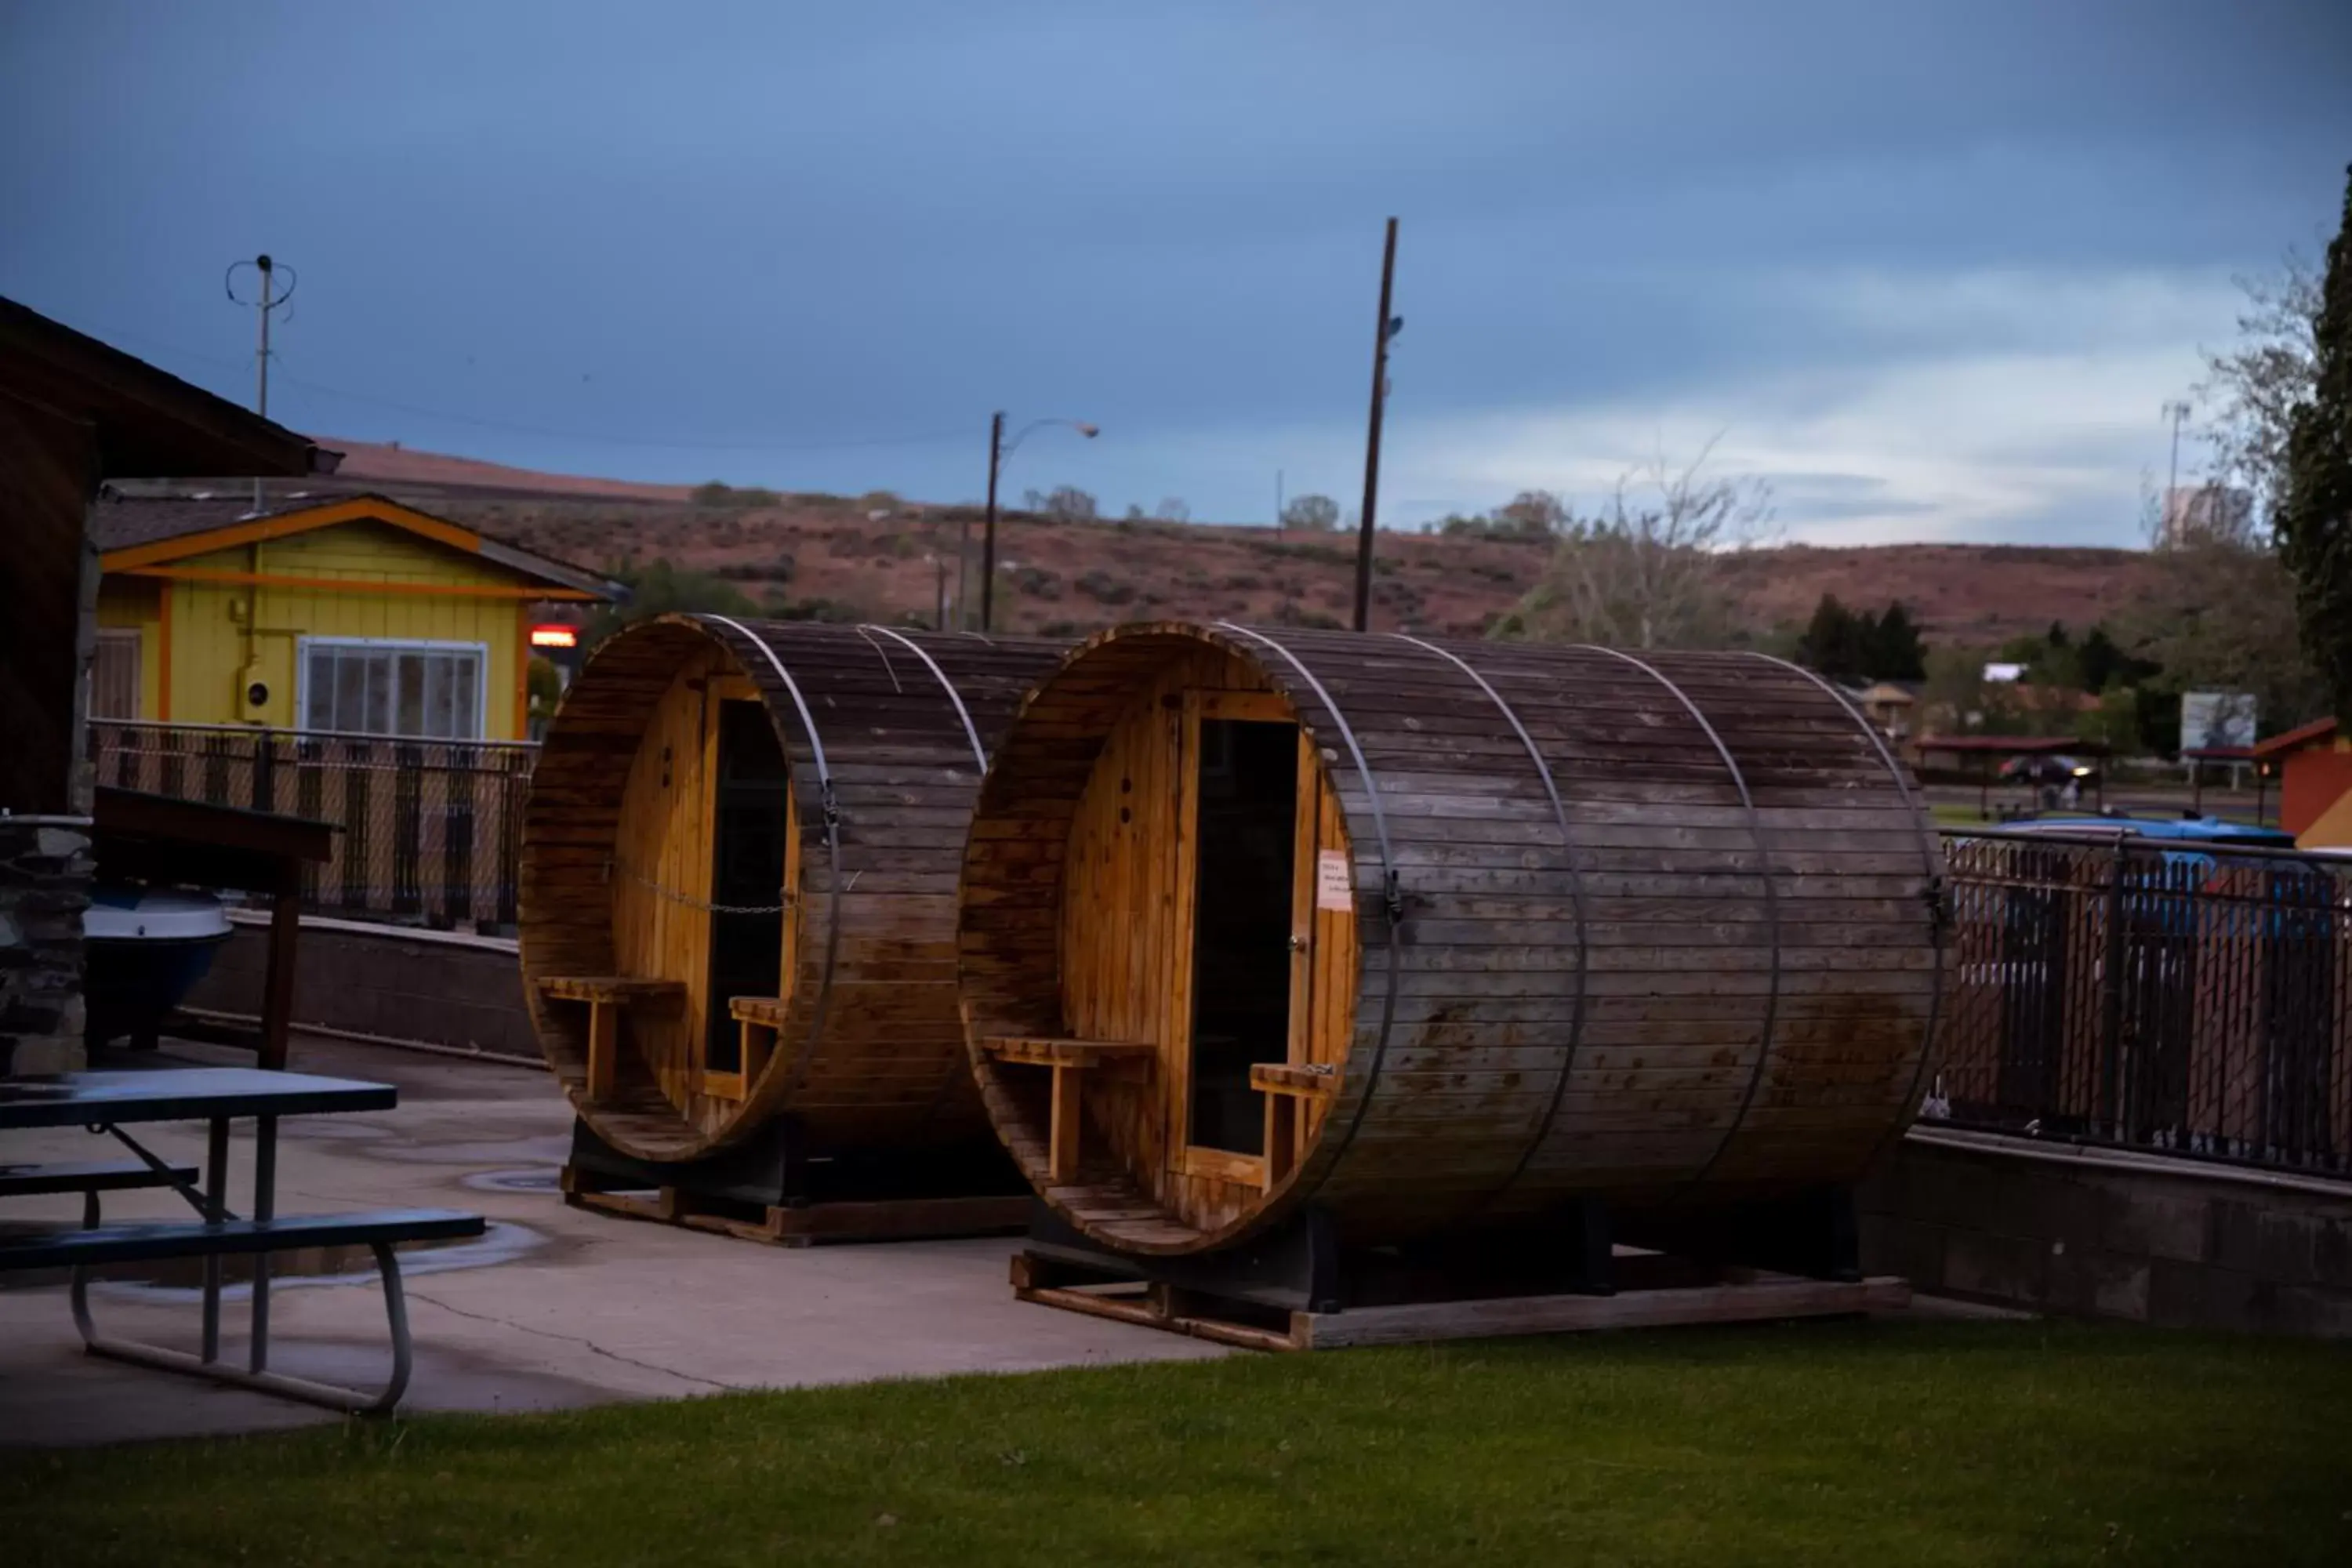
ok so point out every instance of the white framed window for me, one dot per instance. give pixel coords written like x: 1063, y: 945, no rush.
x: 370, y: 685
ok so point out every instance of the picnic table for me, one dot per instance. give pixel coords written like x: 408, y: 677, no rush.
x: 109, y: 1102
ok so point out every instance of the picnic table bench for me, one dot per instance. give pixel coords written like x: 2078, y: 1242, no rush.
x: 105, y: 1101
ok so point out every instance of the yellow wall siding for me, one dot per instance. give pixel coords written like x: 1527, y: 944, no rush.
x: 135, y: 605
x: 214, y: 658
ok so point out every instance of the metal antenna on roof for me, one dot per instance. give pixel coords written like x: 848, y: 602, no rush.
x: 266, y: 302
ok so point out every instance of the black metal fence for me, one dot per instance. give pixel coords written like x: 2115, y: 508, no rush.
x: 2182, y: 998
x: 431, y: 829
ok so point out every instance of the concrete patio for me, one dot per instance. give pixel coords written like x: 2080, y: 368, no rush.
x: 555, y: 1308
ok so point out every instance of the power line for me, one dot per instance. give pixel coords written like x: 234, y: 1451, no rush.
x: 909, y: 440
x: 550, y: 432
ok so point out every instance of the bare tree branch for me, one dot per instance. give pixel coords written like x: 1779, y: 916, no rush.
x: 1647, y: 572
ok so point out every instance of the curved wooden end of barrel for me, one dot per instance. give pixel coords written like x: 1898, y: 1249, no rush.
x: 1563, y: 924
x: 739, y: 850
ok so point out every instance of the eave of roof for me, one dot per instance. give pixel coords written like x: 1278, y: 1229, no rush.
x: 149, y: 423
x: 2294, y: 740
x: 203, y: 536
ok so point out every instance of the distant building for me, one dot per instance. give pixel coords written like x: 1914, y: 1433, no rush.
x: 2315, y: 765
x: 350, y: 614
x: 2205, y: 511
x: 1889, y: 704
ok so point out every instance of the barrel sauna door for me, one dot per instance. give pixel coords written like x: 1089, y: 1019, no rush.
x: 1246, y: 868
x: 750, y: 845
x: 1244, y: 781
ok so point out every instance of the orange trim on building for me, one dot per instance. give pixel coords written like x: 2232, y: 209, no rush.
x: 2294, y: 740
x: 163, y: 653
x: 527, y: 593
x: 522, y: 672
x: 285, y: 525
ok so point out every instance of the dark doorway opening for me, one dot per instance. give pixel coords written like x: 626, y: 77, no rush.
x: 1241, y: 924
x: 747, y: 871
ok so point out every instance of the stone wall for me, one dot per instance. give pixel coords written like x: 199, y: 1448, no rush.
x: 45, y: 876
x: 2110, y: 1233
x: 438, y: 987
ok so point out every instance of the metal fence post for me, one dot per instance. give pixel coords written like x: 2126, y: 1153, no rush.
x: 264, y: 771
x: 2111, y: 1027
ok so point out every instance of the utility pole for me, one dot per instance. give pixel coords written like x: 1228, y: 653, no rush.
x: 1277, y: 503
x: 1388, y: 328
x: 999, y: 449
x: 267, y: 302
x: 988, y: 539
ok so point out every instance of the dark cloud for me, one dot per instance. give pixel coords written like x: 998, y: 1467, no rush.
x: 806, y: 225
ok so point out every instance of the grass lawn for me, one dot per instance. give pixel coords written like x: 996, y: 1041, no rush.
x: 1892, y: 1445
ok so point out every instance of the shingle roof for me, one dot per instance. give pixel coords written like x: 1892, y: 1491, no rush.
x: 126, y: 522
x: 119, y: 523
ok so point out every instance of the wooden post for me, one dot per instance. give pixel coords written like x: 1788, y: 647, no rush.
x: 1061, y: 1159
x: 1281, y: 1137
x: 277, y: 988
x: 604, y: 1030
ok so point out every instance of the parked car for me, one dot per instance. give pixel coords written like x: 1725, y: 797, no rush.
x: 2049, y: 768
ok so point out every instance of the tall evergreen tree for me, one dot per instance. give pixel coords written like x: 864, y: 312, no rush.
x: 2314, y: 523
x: 1834, y: 643
x: 1895, y: 651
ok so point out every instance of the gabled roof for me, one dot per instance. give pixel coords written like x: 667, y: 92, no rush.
x: 134, y: 534
x: 149, y: 424
x: 2313, y: 733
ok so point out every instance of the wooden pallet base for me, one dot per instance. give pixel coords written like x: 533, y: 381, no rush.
x: 892, y: 1219
x: 1743, y: 1296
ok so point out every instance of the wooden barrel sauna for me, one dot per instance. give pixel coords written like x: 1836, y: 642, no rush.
x: 1437, y: 935
x: 739, y: 868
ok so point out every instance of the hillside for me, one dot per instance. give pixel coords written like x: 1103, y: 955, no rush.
x: 879, y: 556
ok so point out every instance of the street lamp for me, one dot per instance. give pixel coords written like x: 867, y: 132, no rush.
x: 999, y: 451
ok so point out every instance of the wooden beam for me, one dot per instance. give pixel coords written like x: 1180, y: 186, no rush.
x: 604, y: 1028
x: 1057, y: 1053
x: 1282, y: 1123
x: 1310, y: 1079
x: 1062, y: 1161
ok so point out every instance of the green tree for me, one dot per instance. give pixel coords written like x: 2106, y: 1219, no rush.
x: 1311, y: 514
x: 2313, y: 521
x: 1835, y: 641
x: 1896, y: 652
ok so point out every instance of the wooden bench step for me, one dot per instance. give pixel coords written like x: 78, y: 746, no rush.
x: 90, y: 1176
x: 1057, y: 1053
x: 611, y: 988
x: 606, y: 996
x: 236, y: 1237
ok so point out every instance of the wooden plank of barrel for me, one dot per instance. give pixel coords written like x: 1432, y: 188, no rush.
x: 1432, y: 934
x: 738, y: 880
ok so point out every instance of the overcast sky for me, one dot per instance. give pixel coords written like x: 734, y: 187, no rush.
x: 1932, y: 270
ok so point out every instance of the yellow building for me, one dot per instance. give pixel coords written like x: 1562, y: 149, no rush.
x: 352, y: 614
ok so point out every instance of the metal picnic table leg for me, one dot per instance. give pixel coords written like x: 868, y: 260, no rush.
x: 216, y: 1211
x: 265, y: 1206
